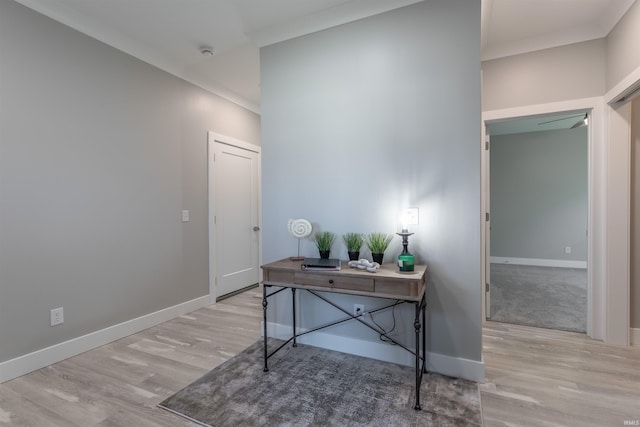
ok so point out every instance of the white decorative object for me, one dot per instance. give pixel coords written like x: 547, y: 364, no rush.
x: 299, y: 228
x: 365, y: 264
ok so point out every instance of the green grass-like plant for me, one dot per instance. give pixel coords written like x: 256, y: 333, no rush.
x: 354, y: 241
x: 378, y: 242
x: 324, y: 240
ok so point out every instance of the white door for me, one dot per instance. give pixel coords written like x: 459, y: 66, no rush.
x: 233, y: 194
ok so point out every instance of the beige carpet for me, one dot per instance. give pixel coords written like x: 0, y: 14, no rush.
x: 310, y: 386
x: 545, y: 297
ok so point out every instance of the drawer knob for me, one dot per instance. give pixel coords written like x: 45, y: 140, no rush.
x: 331, y: 281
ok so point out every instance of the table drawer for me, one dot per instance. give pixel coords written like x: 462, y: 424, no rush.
x: 326, y: 280
x: 278, y: 276
x: 397, y: 287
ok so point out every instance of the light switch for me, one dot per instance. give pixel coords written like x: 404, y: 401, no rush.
x: 408, y: 216
x: 185, y: 215
x: 412, y: 213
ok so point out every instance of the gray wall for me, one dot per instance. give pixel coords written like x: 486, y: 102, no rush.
x: 99, y: 153
x: 363, y: 119
x: 539, y: 194
x: 623, y: 55
x: 568, y: 72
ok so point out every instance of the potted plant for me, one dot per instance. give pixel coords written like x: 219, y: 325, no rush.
x: 354, y: 242
x: 324, y: 240
x: 377, y: 244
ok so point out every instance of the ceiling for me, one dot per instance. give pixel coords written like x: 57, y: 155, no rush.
x: 510, y: 27
x: 170, y: 33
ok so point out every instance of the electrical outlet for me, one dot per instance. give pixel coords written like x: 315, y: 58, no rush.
x: 57, y: 316
x: 567, y: 249
x: 358, y: 309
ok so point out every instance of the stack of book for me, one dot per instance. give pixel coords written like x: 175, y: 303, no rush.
x: 320, y: 264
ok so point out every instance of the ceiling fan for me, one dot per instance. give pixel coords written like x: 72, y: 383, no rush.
x: 582, y: 122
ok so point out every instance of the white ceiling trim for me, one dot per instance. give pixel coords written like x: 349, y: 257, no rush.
x: 340, y: 14
x: 105, y: 34
x: 627, y: 88
x: 226, y: 94
x: 249, y: 24
x: 328, y: 18
x: 86, y: 25
x: 545, y: 41
x: 573, y: 32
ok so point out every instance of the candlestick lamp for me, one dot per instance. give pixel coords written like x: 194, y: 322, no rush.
x: 406, y: 260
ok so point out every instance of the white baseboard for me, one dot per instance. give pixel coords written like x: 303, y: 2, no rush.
x: 39, y: 359
x: 634, y: 335
x: 442, y: 364
x: 539, y: 262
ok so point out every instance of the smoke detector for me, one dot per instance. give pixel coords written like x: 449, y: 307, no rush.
x: 206, y: 51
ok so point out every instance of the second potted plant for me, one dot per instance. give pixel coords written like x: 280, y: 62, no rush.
x: 354, y: 242
x: 377, y: 244
x: 324, y: 240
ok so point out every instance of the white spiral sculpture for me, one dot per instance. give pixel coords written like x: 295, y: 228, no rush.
x: 299, y: 228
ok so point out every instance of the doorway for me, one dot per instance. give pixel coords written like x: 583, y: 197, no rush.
x: 537, y: 242
x: 234, y: 219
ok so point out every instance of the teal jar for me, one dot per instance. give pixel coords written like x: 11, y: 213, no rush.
x: 406, y: 262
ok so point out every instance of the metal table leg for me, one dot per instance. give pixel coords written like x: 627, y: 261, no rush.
x: 416, y: 325
x: 264, y: 317
x: 424, y: 334
x: 293, y: 297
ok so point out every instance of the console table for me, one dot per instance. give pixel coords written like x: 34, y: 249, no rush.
x: 387, y: 282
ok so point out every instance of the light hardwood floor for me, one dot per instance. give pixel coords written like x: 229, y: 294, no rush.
x: 543, y: 377
x: 121, y: 383
x: 533, y: 376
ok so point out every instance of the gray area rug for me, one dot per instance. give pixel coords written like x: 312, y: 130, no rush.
x: 310, y: 386
x: 545, y: 297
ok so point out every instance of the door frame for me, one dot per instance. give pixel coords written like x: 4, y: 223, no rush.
x: 618, y: 110
x: 596, y: 239
x: 213, y: 138
x: 485, y: 235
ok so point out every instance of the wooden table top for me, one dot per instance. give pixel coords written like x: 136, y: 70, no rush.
x: 386, y: 282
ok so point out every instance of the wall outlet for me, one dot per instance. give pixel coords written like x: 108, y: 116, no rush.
x: 358, y: 309
x: 57, y: 316
x: 567, y: 249
x: 185, y: 215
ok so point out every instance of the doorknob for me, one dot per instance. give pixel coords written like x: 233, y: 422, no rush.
x: 256, y: 228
